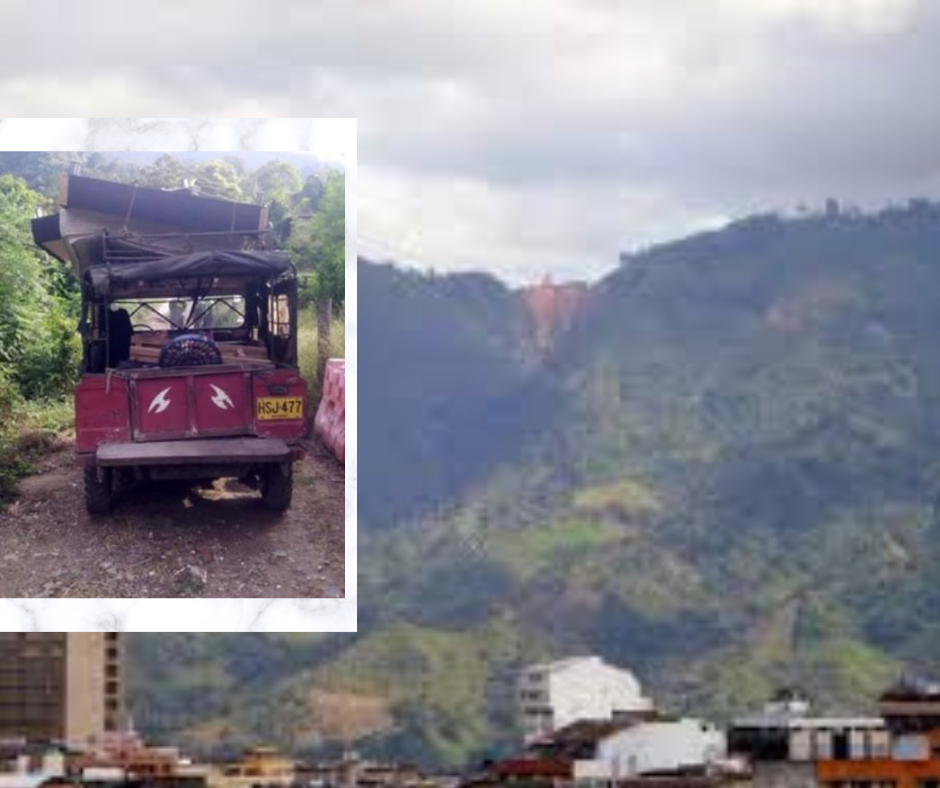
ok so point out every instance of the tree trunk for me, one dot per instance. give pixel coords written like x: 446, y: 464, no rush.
x: 324, y: 321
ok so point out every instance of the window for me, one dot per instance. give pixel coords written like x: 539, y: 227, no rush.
x: 840, y: 745
x: 533, y: 696
x: 279, y: 316
x: 178, y: 314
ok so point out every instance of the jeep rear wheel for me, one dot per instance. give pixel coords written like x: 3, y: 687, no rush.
x: 98, y: 490
x: 278, y: 486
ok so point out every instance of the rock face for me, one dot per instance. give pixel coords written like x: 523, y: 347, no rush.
x: 552, y: 308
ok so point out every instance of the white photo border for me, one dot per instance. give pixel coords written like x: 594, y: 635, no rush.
x: 208, y: 615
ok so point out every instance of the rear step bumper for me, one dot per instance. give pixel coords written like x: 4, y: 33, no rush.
x: 194, y: 452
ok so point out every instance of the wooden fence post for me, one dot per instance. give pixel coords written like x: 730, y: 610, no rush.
x: 324, y: 321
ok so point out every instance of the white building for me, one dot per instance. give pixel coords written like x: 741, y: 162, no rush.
x: 556, y: 694
x: 655, y: 746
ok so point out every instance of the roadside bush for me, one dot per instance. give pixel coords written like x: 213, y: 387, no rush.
x: 39, y: 343
x: 10, y: 397
x: 48, y: 366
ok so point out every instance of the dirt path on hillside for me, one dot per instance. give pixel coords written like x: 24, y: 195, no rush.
x: 172, y: 539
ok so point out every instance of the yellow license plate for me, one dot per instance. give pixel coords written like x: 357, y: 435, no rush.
x: 271, y: 408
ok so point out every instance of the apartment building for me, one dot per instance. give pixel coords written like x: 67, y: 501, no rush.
x: 60, y: 686
x: 555, y: 694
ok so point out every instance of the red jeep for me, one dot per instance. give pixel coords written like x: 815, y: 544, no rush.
x: 190, y: 369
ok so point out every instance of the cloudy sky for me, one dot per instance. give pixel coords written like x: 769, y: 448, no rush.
x: 532, y: 137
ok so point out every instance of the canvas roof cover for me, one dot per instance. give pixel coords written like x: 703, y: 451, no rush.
x: 209, y: 264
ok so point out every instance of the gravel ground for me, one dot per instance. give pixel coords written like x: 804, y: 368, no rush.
x: 173, y: 539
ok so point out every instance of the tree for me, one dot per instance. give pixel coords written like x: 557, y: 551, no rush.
x: 237, y: 162
x: 218, y: 179
x: 319, y: 246
x: 39, y: 346
x: 309, y: 197
x: 19, y: 264
x: 319, y: 243
x: 40, y: 171
x: 276, y: 184
x: 107, y: 167
x: 277, y: 180
x: 167, y: 172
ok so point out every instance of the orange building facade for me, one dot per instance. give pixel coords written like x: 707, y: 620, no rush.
x: 913, y: 763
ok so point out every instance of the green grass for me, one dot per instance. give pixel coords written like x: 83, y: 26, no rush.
x: 30, y: 431
x: 307, y: 347
x: 626, y: 498
x: 528, y: 551
x: 50, y: 416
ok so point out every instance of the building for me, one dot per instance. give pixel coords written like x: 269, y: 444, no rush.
x: 628, y: 750
x: 555, y: 694
x: 352, y: 771
x: 36, y: 781
x: 261, y: 765
x: 656, y: 746
x: 122, y: 758
x: 604, y: 751
x: 900, y: 748
x: 60, y: 686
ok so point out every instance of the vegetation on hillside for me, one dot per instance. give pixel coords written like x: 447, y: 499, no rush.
x: 460, y: 334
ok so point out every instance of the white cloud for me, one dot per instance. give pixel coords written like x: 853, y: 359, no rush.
x: 526, y: 137
x: 858, y: 17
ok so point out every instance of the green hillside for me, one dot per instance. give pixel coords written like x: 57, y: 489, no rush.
x: 733, y: 480
x: 725, y: 477
x: 439, y: 351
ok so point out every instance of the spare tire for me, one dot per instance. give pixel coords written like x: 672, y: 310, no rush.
x: 190, y: 350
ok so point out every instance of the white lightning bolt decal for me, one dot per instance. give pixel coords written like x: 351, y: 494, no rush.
x: 221, y: 399
x: 160, y: 402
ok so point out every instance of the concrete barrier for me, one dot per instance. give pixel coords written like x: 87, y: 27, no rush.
x: 330, y: 421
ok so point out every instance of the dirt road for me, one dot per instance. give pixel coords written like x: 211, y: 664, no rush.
x: 172, y: 540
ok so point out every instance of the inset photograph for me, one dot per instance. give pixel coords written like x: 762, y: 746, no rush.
x: 172, y: 376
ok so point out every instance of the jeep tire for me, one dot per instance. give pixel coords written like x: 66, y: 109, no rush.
x: 98, y: 489
x: 277, y: 486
